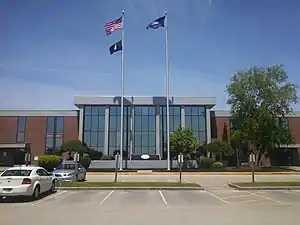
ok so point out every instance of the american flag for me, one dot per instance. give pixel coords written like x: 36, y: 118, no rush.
x: 110, y: 27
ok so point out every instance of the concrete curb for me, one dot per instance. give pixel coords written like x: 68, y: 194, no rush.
x: 235, y: 186
x: 194, y: 173
x: 130, y: 188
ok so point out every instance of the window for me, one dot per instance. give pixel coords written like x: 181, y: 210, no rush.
x: 21, y: 129
x: 94, y: 127
x: 54, y: 134
x: 175, y: 122
x: 115, y: 128
x: 195, y: 119
x: 144, y: 130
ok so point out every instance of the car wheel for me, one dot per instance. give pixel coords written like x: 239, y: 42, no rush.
x: 36, y: 193
x: 52, y: 190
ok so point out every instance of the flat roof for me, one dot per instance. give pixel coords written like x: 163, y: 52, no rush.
x: 80, y: 101
x: 38, y: 112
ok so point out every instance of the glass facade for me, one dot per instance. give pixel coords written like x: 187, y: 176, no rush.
x: 94, y: 127
x: 144, y: 130
x: 141, y: 133
x: 175, y: 122
x: 54, y: 134
x: 115, y: 129
x: 195, y: 118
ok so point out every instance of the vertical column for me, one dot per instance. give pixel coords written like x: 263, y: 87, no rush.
x: 157, y: 128
x: 208, y: 125
x: 182, y: 115
x: 80, y: 125
x: 106, y: 133
x: 132, y: 132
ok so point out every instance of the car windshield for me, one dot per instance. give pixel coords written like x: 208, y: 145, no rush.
x: 66, y: 167
x: 14, y: 173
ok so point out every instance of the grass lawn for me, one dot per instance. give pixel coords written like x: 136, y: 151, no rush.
x: 269, y: 184
x: 126, y: 184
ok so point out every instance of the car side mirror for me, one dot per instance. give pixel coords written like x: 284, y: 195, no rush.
x: 79, y: 169
x: 54, y: 168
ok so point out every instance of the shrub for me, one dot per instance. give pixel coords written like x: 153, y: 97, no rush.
x: 218, y: 164
x: 93, y: 154
x: 49, y: 162
x: 85, y: 161
x: 204, y: 162
x: 107, y: 157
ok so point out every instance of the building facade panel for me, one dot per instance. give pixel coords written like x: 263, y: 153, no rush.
x: 8, y: 129
x: 35, y: 134
x: 70, y: 128
x: 294, y: 124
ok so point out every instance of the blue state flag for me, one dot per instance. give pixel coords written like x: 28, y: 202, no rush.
x: 160, y: 22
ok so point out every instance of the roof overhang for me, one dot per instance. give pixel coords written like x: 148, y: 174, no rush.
x: 13, y: 145
x: 80, y: 101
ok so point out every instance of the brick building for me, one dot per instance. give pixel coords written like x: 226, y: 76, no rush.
x: 97, y: 123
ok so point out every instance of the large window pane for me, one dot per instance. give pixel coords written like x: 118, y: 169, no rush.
x: 145, y: 140
x: 152, y: 123
x: 94, y: 137
x: 137, y: 123
x: 59, y: 124
x: 87, y: 122
x: 95, y: 110
x: 113, y: 123
x: 100, y: 138
x: 101, y: 121
x: 202, y: 125
x: 87, y: 138
x: 88, y: 110
x: 94, y: 123
x: 145, y: 123
x: 152, y: 139
x: 50, y: 124
x: 195, y: 123
x: 21, y: 123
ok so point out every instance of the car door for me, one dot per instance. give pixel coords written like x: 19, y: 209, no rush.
x: 42, y: 179
x: 48, y: 179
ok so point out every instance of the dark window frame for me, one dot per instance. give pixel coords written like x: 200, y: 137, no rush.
x: 21, y: 129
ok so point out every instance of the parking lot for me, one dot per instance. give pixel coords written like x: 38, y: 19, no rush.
x: 222, y: 206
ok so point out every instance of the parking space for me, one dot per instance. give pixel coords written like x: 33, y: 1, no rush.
x: 65, y: 206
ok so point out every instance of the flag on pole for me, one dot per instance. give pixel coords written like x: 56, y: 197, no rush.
x: 160, y: 22
x: 116, y: 47
x: 114, y: 25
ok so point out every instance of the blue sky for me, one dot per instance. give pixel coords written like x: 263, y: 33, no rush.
x: 53, y: 50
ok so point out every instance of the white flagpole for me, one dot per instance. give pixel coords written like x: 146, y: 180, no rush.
x: 122, y: 96
x: 167, y: 93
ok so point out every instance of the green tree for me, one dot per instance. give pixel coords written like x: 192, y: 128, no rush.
x: 183, y: 140
x: 73, y: 146
x: 260, y: 99
x: 219, y: 147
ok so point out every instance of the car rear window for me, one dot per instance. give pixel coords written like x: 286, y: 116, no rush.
x: 14, y: 173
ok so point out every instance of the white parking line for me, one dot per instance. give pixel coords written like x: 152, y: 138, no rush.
x: 49, y: 197
x: 236, y: 196
x: 106, y: 197
x: 261, y: 196
x: 163, y: 198
x: 211, y: 194
x: 249, y: 201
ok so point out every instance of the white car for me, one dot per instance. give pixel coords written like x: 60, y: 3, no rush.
x: 26, y: 181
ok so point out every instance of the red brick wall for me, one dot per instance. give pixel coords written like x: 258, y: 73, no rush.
x: 70, y: 128
x: 220, y: 126
x: 294, y: 123
x: 8, y: 129
x: 35, y: 134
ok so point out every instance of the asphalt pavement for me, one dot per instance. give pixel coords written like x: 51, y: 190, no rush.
x: 214, y: 207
